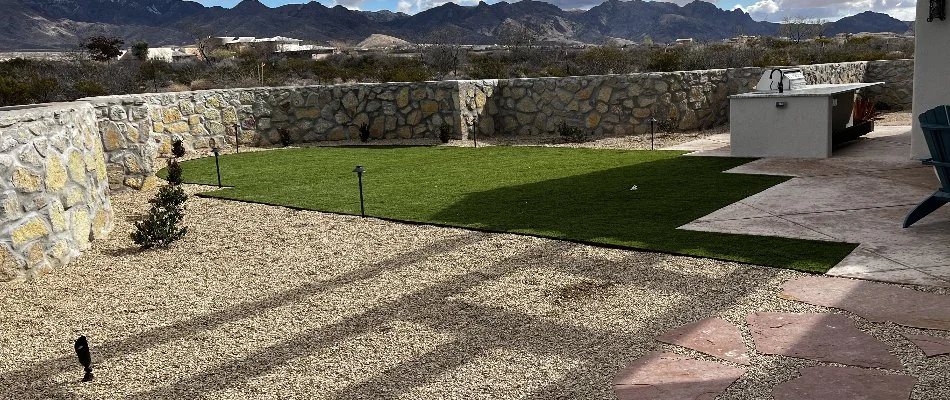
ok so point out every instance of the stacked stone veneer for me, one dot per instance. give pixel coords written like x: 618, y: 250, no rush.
x: 137, y: 130
x: 53, y: 187
x: 58, y: 161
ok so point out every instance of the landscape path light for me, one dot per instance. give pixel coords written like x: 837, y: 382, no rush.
x: 85, y: 358
x: 359, y: 176
x: 237, y: 139
x: 216, y: 150
x: 652, y: 130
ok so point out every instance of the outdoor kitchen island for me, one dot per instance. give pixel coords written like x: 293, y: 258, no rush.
x: 805, y: 122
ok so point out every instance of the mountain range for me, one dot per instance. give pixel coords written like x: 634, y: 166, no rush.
x: 60, y: 24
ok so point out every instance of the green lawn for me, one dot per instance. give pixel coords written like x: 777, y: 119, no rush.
x: 576, y: 194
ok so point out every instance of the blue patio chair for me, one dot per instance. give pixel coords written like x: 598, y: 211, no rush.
x: 936, y: 126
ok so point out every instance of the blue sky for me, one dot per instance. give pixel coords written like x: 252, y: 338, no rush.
x: 762, y: 10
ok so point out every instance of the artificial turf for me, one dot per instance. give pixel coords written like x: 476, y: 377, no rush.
x: 584, y: 195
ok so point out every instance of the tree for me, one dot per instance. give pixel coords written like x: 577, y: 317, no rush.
x: 104, y: 48
x: 161, y: 226
x: 140, y: 50
x: 445, y: 54
x: 800, y: 28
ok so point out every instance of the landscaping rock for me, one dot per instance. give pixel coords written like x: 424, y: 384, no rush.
x: 931, y: 346
x: 819, y: 337
x: 670, y: 376
x: 837, y: 383
x: 877, y: 302
x: 713, y: 336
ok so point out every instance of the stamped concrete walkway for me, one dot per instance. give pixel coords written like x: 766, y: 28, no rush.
x: 859, y: 195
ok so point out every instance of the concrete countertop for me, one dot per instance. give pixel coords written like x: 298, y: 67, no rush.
x: 810, y: 90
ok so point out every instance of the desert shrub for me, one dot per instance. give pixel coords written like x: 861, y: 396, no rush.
x: 665, y: 60
x: 364, y: 132
x: 604, y: 60
x: 572, y: 134
x: 202, y: 84
x: 161, y: 226
x: 284, y: 138
x: 88, y: 88
x: 486, y: 67
x: 178, y: 148
x: 174, y: 171
x: 177, y: 87
x: 667, y: 125
x: 399, y: 69
x: 445, y: 133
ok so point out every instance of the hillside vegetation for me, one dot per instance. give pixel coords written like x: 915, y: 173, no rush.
x: 31, y: 81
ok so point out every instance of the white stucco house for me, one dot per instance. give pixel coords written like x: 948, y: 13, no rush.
x: 931, y: 71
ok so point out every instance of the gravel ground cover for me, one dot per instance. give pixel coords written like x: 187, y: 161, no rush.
x: 269, y: 302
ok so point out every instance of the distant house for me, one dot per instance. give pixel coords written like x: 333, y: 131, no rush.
x: 243, y: 42
x: 169, y: 54
x: 686, y: 41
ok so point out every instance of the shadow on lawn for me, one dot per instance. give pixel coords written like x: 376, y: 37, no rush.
x: 640, y: 206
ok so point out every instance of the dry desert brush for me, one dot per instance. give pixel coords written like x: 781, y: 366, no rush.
x: 161, y: 226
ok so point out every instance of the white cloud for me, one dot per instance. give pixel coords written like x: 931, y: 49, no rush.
x: 828, y: 10
x: 760, y: 7
x: 404, y: 6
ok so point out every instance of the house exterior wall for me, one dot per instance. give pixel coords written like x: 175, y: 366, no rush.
x: 931, y: 71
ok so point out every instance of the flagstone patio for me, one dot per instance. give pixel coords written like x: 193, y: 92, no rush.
x: 860, y: 195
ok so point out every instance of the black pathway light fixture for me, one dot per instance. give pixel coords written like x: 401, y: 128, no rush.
x: 216, y: 150
x: 237, y: 138
x: 359, y: 176
x: 474, y: 139
x: 652, y: 130
x: 938, y: 10
x: 85, y: 358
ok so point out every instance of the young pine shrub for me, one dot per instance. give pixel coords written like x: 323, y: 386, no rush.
x: 178, y: 148
x: 364, y: 132
x: 161, y: 226
x: 572, y: 134
x: 445, y: 133
x: 285, y: 138
x: 174, y: 171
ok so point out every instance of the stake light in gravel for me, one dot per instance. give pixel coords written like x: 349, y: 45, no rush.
x: 652, y: 130
x: 85, y: 358
x: 359, y: 176
x: 216, y: 150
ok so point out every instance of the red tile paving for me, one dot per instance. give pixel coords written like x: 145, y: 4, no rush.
x: 820, y: 337
x: 875, y: 301
x: 837, y: 383
x: 713, y: 336
x: 931, y: 346
x: 669, y: 376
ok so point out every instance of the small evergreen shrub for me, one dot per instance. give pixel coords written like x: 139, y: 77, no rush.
x: 161, y: 226
x: 284, y: 138
x: 445, y: 133
x: 364, y: 132
x: 178, y: 148
x: 174, y: 171
x: 572, y: 134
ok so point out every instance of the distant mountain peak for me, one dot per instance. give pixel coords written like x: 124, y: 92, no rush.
x: 42, y: 24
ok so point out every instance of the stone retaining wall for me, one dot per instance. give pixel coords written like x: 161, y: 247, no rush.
x: 137, y: 130
x: 898, y: 75
x: 57, y: 162
x: 53, y: 187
